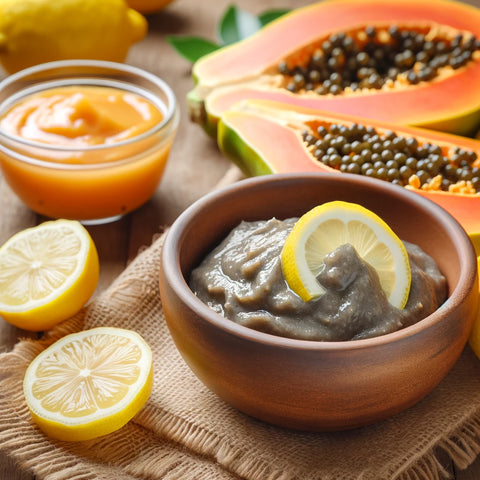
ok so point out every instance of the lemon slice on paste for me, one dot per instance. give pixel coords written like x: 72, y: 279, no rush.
x: 89, y: 383
x: 47, y: 274
x: 326, y: 227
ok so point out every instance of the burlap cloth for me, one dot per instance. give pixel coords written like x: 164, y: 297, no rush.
x: 187, y: 432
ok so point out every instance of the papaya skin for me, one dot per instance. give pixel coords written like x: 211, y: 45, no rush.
x: 263, y: 137
x: 448, y: 103
x: 245, y: 157
x: 238, y: 134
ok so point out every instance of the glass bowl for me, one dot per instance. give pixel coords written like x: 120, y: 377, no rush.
x: 94, y: 183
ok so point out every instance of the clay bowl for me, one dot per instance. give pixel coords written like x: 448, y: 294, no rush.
x: 313, y: 385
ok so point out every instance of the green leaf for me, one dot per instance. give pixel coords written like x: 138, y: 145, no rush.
x: 237, y: 24
x: 191, y: 47
x: 270, y: 15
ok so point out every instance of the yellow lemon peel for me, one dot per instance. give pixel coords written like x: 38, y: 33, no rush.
x: 68, y: 29
x: 148, y: 6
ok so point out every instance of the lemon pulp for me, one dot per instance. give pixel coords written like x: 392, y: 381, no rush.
x: 326, y: 227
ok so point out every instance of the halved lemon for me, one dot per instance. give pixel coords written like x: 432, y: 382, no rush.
x: 326, y: 227
x: 474, y: 339
x: 47, y: 274
x: 90, y: 383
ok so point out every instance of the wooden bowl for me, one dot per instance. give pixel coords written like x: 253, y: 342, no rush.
x: 313, y: 385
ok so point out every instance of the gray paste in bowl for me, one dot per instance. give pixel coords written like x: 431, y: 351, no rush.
x: 242, y: 280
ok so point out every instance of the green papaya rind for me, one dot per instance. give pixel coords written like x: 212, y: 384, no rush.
x: 242, y: 154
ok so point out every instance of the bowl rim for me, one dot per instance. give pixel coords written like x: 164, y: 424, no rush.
x: 171, y: 268
x: 169, y: 109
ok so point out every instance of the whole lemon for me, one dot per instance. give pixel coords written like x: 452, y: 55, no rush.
x: 38, y: 31
x: 148, y: 6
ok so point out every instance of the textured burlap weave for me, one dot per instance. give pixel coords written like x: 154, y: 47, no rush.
x: 186, y: 432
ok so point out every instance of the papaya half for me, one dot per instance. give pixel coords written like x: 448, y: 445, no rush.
x: 264, y: 137
x: 403, y: 61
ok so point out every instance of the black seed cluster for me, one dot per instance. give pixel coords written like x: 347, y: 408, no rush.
x: 387, y: 156
x: 371, y: 57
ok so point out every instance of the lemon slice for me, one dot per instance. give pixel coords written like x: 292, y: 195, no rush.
x: 326, y: 227
x: 47, y: 274
x: 90, y: 383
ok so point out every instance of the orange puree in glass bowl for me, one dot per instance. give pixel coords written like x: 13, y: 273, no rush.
x: 81, y: 116
x: 90, y: 148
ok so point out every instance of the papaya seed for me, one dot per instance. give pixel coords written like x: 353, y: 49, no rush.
x: 367, y: 58
x: 385, y: 155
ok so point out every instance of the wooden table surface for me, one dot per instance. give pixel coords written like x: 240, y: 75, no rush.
x: 194, y: 167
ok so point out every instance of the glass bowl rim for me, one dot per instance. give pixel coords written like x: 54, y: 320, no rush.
x: 169, y: 121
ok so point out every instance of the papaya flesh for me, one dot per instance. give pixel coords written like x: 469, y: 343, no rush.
x: 447, y: 101
x: 264, y: 137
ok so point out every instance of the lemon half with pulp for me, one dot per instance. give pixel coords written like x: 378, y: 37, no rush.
x: 90, y: 383
x: 326, y: 227
x: 47, y: 274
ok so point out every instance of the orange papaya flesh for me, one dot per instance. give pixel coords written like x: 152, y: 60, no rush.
x: 386, y: 107
x: 448, y: 102
x: 305, y: 26
x: 264, y: 137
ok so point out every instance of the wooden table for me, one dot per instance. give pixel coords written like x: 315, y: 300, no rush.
x: 195, y: 161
